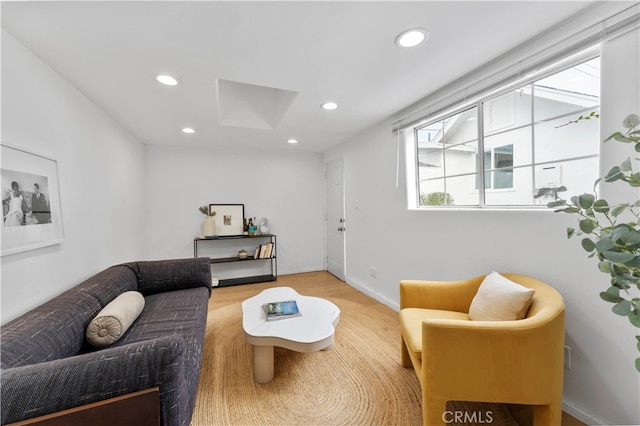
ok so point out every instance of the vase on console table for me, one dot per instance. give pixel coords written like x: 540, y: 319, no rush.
x: 209, y: 227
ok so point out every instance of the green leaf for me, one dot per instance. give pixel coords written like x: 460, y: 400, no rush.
x: 618, y: 257
x: 635, y: 263
x: 618, y: 232
x: 623, y: 138
x: 570, y: 232
x: 631, y: 237
x: 637, y: 147
x: 638, y: 363
x: 622, y: 308
x: 588, y: 245
x: 611, y: 295
x: 634, y: 317
x: 557, y: 203
x: 604, y: 245
x: 587, y: 225
x: 595, y: 183
x: 612, y: 136
x: 614, y: 174
x: 543, y: 191
x: 586, y: 200
x: 617, y: 210
x: 630, y: 279
x: 570, y: 210
x: 619, y: 281
x: 634, y: 180
x: 626, y: 165
x: 631, y: 121
x: 605, y: 266
x: 601, y: 206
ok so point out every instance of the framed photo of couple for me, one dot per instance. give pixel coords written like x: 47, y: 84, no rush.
x: 31, y: 212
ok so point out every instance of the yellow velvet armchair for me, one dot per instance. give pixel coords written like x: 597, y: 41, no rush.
x: 457, y: 359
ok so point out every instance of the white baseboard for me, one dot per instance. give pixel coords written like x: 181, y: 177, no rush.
x: 353, y: 283
x: 298, y: 271
x: 580, y: 414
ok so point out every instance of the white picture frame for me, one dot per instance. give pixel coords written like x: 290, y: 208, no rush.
x: 29, y: 220
x: 229, y: 219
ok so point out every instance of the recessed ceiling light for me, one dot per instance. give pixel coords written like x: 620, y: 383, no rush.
x: 412, y: 38
x: 188, y: 130
x: 329, y: 106
x: 292, y: 141
x: 167, y: 79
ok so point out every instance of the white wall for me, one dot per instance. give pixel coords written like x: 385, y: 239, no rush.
x: 602, y: 386
x: 101, y: 176
x: 602, y: 382
x: 287, y: 188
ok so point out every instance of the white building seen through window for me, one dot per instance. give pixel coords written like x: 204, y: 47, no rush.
x: 525, y: 141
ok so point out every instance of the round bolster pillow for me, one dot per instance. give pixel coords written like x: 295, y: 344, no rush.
x: 115, y: 319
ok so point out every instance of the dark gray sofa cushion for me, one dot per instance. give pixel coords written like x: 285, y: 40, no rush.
x: 158, y: 276
x: 56, y: 329
x: 47, y: 366
x: 180, y: 313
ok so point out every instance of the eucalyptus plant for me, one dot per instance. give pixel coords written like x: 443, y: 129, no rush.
x: 205, y: 211
x: 611, y: 233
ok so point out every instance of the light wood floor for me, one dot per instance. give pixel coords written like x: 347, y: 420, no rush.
x: 323, y: 284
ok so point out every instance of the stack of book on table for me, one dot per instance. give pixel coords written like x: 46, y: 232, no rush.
x: 281, y: 310
x: 264, y: 251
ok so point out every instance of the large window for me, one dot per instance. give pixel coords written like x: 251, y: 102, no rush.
x: 506, y: 147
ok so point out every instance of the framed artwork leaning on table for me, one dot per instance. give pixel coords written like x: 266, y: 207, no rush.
x: 229, y: 218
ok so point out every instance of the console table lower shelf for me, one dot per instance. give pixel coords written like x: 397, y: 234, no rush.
x: 245, y: 280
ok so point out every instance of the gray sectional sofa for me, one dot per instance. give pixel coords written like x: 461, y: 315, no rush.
x: 47, y: 365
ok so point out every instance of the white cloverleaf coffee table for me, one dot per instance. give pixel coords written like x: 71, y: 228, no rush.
x: 309, y: 332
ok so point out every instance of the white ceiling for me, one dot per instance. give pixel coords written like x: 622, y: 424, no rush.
x: 311, y: 51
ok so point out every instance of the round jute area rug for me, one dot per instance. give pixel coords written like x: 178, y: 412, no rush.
x: 357, y: 381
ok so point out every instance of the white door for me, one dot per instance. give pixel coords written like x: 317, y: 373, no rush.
x: 336, y: 225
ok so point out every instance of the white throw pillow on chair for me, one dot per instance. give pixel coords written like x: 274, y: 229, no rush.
x: 500, y: 299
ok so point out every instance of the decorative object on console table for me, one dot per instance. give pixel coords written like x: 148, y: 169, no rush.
x: 252, y: 228
x: 264, y: 226
x: 229, y: 220
x: 30, y: 201
x: 209, y: 223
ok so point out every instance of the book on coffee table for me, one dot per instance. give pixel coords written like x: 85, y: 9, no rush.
x: 281, y: 310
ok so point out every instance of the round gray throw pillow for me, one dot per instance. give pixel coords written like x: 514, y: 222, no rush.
x: 115, y: 319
